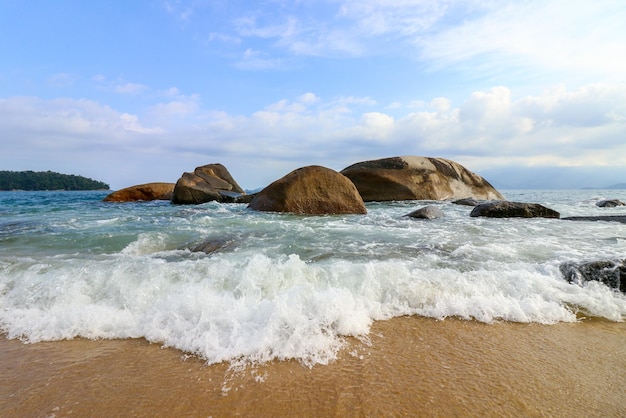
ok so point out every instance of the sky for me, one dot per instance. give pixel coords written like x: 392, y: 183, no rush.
x: 528, y: 93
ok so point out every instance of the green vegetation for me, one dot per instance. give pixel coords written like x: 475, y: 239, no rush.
x: 47, y: 180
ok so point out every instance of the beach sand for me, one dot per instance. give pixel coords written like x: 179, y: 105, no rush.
x: 412, y: 366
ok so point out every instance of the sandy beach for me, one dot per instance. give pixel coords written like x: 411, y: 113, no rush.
x: 411, y: 366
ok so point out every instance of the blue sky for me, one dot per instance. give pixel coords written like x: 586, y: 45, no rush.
x: 129, y: 92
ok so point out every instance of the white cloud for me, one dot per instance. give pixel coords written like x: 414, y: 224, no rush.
x: 566, y: 36
x: 578, y: 40
x: 380, y: 17
x: 308, y: 98
x: 171, y: 92
x: 178, y: 112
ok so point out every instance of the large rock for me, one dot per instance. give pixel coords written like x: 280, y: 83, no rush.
x: 312, y: 190
x: 147, y: 192
x: 417, y: 178
x: 207, y: 183
x: 611, y: 273
x: 505, y: 209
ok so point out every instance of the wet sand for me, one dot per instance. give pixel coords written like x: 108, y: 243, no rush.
x: 411, y: 367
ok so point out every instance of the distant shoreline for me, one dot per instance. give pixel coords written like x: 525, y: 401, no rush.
x: 47, y: 181
x: 55, y: 190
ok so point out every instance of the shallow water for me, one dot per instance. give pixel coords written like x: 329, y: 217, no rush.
x: 282, y: 286
x: 410, y: 366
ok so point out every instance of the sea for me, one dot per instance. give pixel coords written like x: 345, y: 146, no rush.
x: 274, y: 286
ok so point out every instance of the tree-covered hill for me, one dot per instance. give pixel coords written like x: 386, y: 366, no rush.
x: 47, y: 180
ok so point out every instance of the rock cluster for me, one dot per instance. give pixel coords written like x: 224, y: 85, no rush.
x: 320, y: 190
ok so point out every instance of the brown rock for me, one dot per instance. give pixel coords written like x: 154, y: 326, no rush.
x: 148, y: 191
x: 417, y: 178
x: 207, y: 183
x: 312, y: 190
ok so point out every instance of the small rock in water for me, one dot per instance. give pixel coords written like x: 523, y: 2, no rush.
x: 211, y: 245
x: 427, y: 212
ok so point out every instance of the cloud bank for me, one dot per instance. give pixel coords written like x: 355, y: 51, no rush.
x: 489, y: 129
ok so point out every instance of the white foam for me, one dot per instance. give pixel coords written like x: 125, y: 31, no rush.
x: 261, y: 308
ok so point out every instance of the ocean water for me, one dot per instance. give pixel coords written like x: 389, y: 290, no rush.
x: 281, y: 286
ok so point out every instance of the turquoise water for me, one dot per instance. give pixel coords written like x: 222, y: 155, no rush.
x: 282, y: 286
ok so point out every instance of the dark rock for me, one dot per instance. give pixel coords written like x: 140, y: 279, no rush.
x: 611, y: 273
x: 208, y: 183
x: 608, y: 218
x: 211, y: 245
x: 312, y: 190
x: 506, y: 209
x: 146, y: 192
x: 610, y: 203
x: 233, y: 197
x: 417, y: 178
x: 466, y: 202
x: 427, y: 212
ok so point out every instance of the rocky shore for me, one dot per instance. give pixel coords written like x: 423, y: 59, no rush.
x: 317, y: 190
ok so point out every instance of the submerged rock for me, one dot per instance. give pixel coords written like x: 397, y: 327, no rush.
x: 427, y: 212
x: 145, y: 192
x: 611, y: 273
x: 607, y: 218
x: 417, y: 178
x: 506, y: 209
x: 312, y: 190
x: 610, y: 203
x: 207, y: 183
x: 211, y: 245
x: 468, y: 201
